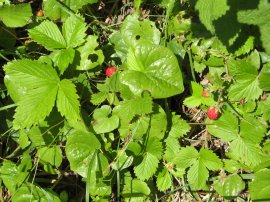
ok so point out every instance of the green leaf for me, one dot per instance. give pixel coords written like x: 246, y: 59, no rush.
x: 246, y: 84
x: 123, y: 161
x: 264, y: 79
x: 186, y: 157
x: 56, y: 10
x: 197, y: 175
x: 31, y: 192
x: 48, y: 35
x: 225, y: 128
x: 211, y: 10
x: 135, y: 189
x: 197, y: 99
x: 134, y: 30
x: 62, y: 58
x: 98, y: 98
x: 259, y: 17
x: 172, y: 149
x: 15, y: 15
x: 35, y: 106
x: 90, y: 57
x: 230, y: 186
x: 260, y: 188
x: 266, y: 109
x: 164, y: 180
x: 51, y: 155
x: 74, y: 29
x: 152, y: 68
x: 68, y: 100
x: 129, y: 108
x: 179, y: 127
x: 210, y: 159
x: 147, y: 167
x: 104, y: 122
x: 80, y: 147
x: 154, y: 146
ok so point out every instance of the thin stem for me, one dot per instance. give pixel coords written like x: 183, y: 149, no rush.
x: 191, y: 64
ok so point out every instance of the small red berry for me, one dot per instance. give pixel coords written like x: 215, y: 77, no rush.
x: 213, y: 113
x: 205, y: 93
x: 110, y: 71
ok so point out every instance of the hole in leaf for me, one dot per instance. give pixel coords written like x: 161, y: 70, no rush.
x: 93, y: 57
x: 138, y: 37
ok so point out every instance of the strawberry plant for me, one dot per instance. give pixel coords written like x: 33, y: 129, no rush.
x: 134, y: 100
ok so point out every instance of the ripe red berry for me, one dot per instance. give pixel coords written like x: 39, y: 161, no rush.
x: 110, y: 71
x: 213, y: 113
x: 205, y: 93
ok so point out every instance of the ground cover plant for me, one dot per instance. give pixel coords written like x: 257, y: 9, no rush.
x: 144, y: 100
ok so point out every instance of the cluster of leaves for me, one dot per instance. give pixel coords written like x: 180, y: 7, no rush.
x: 61, y: 116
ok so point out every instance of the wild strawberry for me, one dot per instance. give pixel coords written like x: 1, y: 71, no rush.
x: 40, y: 13
x: 110, y: 71
x: 213, y: 113
x: 205, y: 93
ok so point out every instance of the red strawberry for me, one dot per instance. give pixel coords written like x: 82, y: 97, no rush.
x: 213, y: 113
x: 205, y: 93
x: 110, y: 71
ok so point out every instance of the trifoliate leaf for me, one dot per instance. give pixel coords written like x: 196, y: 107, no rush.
x: 15, y: 15
x: 210, y: 159
x: 179, y: 127
x: 197, y: 175
x: 147, y: 167
x: 62, y: 58
x: 230, y: 186
x: 260, y: 187
x: 80, y: 148
x: 259, y: 17
x: 211, y: 10
x: 48, y: 35
x: 164, y: 180
x: 104, y: 122
x: 246, y: 84
x: 186, y: 157
x: 67, y: 100
x: 90, y: 56
x: 74, y: 29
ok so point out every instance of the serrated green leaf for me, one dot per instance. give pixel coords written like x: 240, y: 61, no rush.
x: 260, y: 188
x: 186, y: 157
x: 122, y: 162
x: 210, y: 159
x: 104, y: 122
x: 229, y: 187
x: 225, y: 128
x: 152, y: 68
x: 62, y: 58
x: 35, y: 106
x: 164, y: 180
x: 90, y: 57
x: 51, y: 155
x: 68, y: 100
x: 15, y: 15
x: 197, y: 175
x: 80, y: 148
x: 98, y: 98
x: 246, y: 84
x: 137, y: 106
x: 172, y: 149
x: 154, y: 146
x: 147, y: 167
x: 179, y: 127
x: 266, y: 109
x: 48, y: 35
x: 74, y: 29
x: 211, y: 10
x: 259, y: 17
x: 264, y: 79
